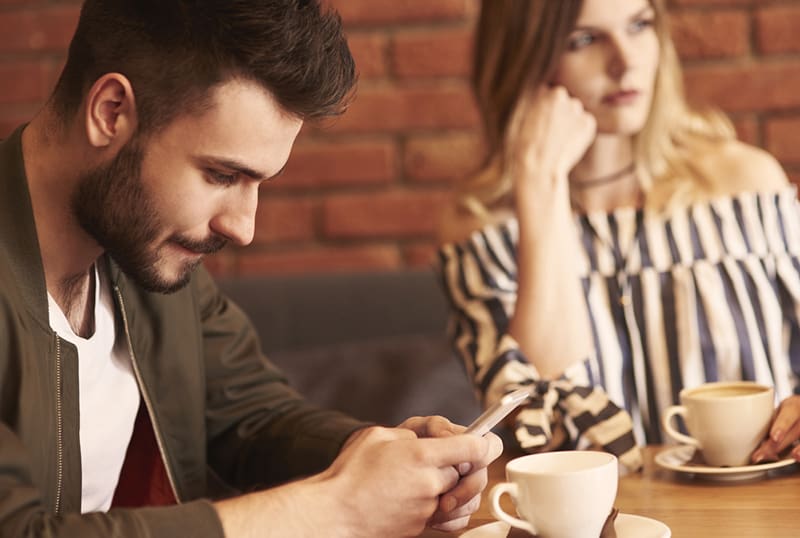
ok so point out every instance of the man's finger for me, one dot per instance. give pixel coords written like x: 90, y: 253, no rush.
x: 452, y: 525
x: 433, y: 426
x: 454, y: 450
x: 451, y: 507
x: 467, y: 489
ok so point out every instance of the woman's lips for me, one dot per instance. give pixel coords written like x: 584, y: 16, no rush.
x: 621, y: 98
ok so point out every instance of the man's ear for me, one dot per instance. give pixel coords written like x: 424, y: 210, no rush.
x: 110, y: 111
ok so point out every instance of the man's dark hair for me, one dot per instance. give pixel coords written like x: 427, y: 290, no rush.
x: 175, y: 51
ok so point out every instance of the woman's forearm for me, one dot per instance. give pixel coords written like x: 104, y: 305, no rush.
x: 550, y: 321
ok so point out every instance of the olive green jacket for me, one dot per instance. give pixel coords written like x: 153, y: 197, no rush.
x: 218, y: 407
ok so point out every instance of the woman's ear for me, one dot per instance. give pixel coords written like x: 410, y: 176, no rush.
x: 110, y: 111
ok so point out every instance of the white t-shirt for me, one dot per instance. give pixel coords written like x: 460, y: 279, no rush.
x: 109, y: 397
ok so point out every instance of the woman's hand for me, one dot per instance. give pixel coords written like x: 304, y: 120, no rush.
x: 548, y: 134
x: 785, y: 430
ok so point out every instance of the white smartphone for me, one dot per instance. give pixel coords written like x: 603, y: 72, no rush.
x: 498, y: 411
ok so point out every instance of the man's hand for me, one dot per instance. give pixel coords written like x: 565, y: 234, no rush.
x: 460, y: 502
x: 785, y: 430
x: 387, y: 482
x: 395, y: 481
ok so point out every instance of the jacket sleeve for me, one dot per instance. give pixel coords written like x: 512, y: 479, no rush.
x: 261, y: 432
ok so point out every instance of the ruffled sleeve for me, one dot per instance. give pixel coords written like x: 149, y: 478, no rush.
x: 479, y: 276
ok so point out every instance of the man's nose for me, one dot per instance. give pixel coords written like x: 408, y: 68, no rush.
x: 236, y: 220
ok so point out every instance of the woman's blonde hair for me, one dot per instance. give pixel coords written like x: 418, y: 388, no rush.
x: 518, y: 44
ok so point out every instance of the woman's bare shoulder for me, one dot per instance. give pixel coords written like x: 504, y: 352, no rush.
x: 458, y: 223
x: 739, y: 167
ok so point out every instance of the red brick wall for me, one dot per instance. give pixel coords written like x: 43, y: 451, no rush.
x: 364, y: 191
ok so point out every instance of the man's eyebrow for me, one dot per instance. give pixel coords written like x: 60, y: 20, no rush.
x: 241, y: 168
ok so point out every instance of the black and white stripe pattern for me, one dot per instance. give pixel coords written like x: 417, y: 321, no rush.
x: 714, y: 289
x: 586, y: 412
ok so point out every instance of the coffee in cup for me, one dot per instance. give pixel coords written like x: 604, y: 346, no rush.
x: 559, y: 494
x: 726, y: 420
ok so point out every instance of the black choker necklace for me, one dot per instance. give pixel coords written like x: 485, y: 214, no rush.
x: 602, y: 180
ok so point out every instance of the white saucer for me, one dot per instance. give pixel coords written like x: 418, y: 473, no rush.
x: 626, y: 525
x: 678, y: 458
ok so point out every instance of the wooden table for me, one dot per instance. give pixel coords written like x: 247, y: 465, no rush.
x: 692, y: 507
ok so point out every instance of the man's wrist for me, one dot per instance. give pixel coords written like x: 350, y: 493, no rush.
x: 353, y: 436
x: 312, y: 507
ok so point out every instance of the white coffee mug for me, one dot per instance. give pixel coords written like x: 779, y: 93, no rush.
x: 559, y: 494
x: 726, y: 420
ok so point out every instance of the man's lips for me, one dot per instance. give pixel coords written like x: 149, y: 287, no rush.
x: 622, y: 97
x: 199, y: 248
x: 186, y: 251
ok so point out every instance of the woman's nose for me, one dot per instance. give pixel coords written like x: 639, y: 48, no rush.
x: 621, y: 56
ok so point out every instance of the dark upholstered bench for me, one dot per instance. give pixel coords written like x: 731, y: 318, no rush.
x: 370, y: 344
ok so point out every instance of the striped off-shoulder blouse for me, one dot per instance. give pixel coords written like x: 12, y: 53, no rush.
x: 707, y: 293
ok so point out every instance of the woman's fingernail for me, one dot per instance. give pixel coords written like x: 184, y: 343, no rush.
x: 464, y: 468
x: 777, y: 435
x: 758, y: 458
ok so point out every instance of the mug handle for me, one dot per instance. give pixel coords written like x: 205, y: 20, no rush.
x: 672, y: 432
x: 499, y: 513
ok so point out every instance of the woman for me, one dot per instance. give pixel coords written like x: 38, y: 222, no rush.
x: 616, y: 237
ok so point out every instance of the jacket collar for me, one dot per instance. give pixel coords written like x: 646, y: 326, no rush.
x: 18, y: 237
x: 19, y: 242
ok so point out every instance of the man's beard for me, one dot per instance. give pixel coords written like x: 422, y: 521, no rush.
x: 112, y: 205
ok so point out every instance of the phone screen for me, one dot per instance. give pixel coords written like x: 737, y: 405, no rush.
x: 499, y: 410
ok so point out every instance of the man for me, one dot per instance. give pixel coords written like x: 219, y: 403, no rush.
x: 131, y: 390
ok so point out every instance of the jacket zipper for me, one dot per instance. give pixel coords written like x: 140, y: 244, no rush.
x: 148, y: 403
x: 59, y: 430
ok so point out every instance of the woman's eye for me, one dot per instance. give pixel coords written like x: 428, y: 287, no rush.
x: 641, y: 24
x: 222, y: 178
x: 580, y: 41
